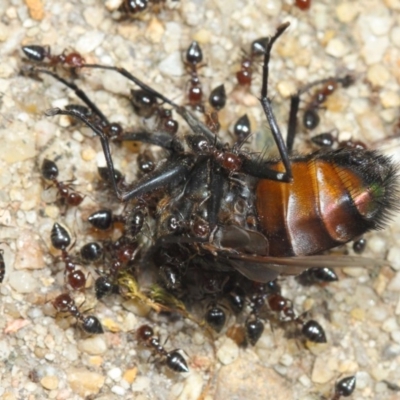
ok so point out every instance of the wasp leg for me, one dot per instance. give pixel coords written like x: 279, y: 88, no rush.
x: 295, y: 103
x: 267, y: 107
x: 79, y: 92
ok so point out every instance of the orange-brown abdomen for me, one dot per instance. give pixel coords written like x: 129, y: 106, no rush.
x: 328, y: 203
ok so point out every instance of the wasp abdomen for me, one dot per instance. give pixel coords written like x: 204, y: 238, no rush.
x: 333, y: 198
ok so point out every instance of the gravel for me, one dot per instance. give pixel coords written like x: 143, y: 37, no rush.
x: 44, y: 356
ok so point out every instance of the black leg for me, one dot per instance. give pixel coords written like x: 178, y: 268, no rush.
x: 266, y: 105
x: 79, y: 92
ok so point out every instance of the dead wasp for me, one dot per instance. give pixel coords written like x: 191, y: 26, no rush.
x: 224, y: 218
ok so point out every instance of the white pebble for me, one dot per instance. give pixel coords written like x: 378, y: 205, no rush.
x: 120, y: 391
x: 378, y: 75
x: 305, y: 381
x: 346, y: 12
x: 337, y: 48
x: 89, y: 41
x: 394, y: 258
x: 172, y: 65
x: 394, y: 284
x: 395, y: 36
x: 390, y: 325
x: 192, y: 388
x: 4, y: 350
x: 140, y: 384
x: 115, y: 374
x: 286, y: 360
x: 94, y: 345
x: 396, y: 336
x: 228, y: 352
x: 23, y: 282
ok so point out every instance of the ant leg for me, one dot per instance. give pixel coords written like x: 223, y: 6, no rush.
x: 79, y: 92
x: 163, y: 140
x: 169, y: 174
x: 196, y: 126
x: 295, y: 102
x: 266, y: 104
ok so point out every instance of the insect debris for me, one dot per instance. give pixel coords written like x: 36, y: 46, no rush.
x: 226, y: 224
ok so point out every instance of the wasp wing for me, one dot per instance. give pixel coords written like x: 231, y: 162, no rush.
x: 266, y: 269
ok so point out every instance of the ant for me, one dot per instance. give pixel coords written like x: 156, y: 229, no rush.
x: 65, y: 304
x: 173, y: 359
x: 344, y: 388
x: 2, y: 266
x: 40, y: 53
x: 49, y: 171
x: 60, y: 239
x: 257, y: 49
x: 310, y: 117
x: 194, y: 58
x: 304, y: 5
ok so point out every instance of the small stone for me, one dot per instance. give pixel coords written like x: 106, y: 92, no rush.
x: 49, y: 382
x: 305, y: 381
x: 395, y: 36
x: 378, y: 75
x: 88, y: 154
x: 390, y: 325
x: 36, y: 9
x: 347, y: 11
x: 141, y: 384
x: 358, y: 314
x: 192, y: 388
x: 286, y: 360
x: 30, y: 253
x: 120, y: 391
x: 94, y: 345
x: 286, y: 88
x: 89, y: 41
x: 23, y: 282
x: 155, y: 30
x: 389, y: 99
x: 115, y: 374
x: 93, y: 16
x: 394, y: 284
x: 130, y: 375
x: 172, y: 65
x: 395, y: 336
x: 84, y: 382
x: 321, y: 372
x: 337, y: 48
x: 228, y: 352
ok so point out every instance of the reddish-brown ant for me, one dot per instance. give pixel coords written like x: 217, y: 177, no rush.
x: 258, y: 48
x: 49, y: 171
x: 60, y: 240
x: 40, y: 53
x: 304, y: 5
x: 193, y: 61
x: 173, y: 359
x: 65, y: 304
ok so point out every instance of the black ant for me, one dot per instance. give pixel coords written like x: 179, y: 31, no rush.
x: 49, y: 171
x: 257, y: 49
x: 60, y: 240
x: 65, y: 304
x: 2, y: 266
x: 173, y: 359
x: 193, y: 61
x: 40, y: 53
x: 344, y: 388
x: 310, y: 117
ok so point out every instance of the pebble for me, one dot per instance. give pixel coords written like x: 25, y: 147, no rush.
x: 192, y: 387
x: 322, y: 373
x: 89, y: 41
x: 394, y: 284
x: 23, y: 282
x: 49, y: 382
x: 30, y: 253
x: 378, y: 75
x: 238, y: 381
x: 389, y: 99
x: 347, y: 11
x: 120, y: 391
x: 130, y: 375
x: 390, y: 325
x: 115, y: 374
x: 141, y: 384
x: 228, y: 352
x: 337, y: 47
x: 94, y: 345
x: 84, y: 382
x: 172, y: 65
